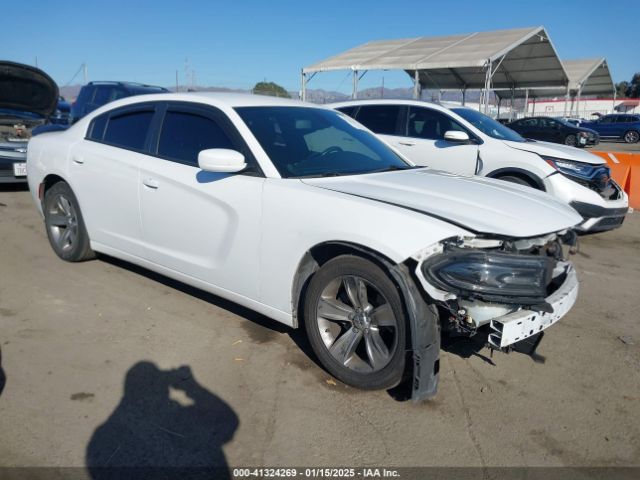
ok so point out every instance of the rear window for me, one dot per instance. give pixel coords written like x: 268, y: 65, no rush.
x: 128, y: 129
x: 351, y: 111
x: 383, y: 119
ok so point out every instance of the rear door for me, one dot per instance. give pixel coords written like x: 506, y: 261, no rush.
x: 424, y: 143
x: 205, y: 225
x: 104, y: 171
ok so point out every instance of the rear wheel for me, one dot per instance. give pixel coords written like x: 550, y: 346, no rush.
x: 571, y: 140
x: 356, y: 324
x: 65, y: 227
x: 632, y: 136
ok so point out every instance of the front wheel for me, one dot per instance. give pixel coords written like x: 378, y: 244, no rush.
x: 631, y: 136
x: 571, y: 140
x: 65, y: 226
x: 356, y: 324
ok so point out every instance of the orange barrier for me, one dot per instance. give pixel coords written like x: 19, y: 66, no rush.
x: 625, y: 170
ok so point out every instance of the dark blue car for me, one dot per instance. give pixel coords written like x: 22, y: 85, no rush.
x: 617, y: 125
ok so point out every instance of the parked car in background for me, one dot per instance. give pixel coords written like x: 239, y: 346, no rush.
x: 464, y: 141
x: 619, y: 126
x: 555, y: 130
x: 62, y: 113
x: 28, y: 96
x: 300, y: 213
x: 95, y: 94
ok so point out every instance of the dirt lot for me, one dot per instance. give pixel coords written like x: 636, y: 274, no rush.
x: 71, y: 334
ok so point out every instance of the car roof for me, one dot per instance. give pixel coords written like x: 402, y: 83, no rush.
x: 387, y: 101
x: 216, y: 99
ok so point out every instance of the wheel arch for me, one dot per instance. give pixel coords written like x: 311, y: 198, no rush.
x: 47, y: 182
x: 518, y: 172
x: 320, y: 254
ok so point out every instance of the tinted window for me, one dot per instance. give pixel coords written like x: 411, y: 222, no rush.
x: 129, y: 129
x: 348, y: 111
x: 103, y: 95
x: 96, y: 130
x: 608, y: 119
x: 527, y: 122
x: 548, y: 123
x: 430, y: 124
x: 304, y: 141
x: 184, y: 135
x: 383, y: 119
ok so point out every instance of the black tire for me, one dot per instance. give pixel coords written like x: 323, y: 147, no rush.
x: 65, y: 226
x: 381, y: 291
x: 631, y: 136
x: 571, y: 140
x: 519, y: 180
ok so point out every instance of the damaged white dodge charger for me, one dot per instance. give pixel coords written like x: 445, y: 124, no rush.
x: 303, y: 215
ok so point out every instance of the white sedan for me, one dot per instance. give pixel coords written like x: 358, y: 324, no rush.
x: 303, y: 215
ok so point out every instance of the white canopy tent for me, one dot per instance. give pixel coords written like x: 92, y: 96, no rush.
x: 587, y: 77
x: 507, y: 59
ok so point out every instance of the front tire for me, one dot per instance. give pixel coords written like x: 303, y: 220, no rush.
x: 571, y: 140
x: 64, y: 223
x: 356, y: 324
x: 631, y: 136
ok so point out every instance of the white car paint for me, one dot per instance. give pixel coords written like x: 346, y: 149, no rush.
x: 496, y: 155
x: 243, y: 238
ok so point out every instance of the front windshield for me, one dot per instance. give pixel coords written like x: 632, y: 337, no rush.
x: 5, y: 112
x: 313, y: 142
x: 488, y: 125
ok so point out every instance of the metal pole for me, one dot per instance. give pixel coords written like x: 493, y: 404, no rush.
x: 615, y: 95
x: 487, y: 87
x: 464, y: 96
x: 499, y: 102
x: 566, y: 100
x: 303, y: 86
x: 526, y: 101
x: 84, y: 72
x: 354, y: 93
x: 177, y: 88
x: 578, y: 102
x: 416, y: 84
x: 533, y: 112
x: 513, y: 94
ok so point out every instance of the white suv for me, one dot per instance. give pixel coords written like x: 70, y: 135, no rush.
x: 464, y: 141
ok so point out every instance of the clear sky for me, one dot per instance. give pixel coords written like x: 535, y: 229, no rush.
x: 237, y: 43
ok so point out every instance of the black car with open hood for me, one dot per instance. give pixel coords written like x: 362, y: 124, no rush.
x: 27, y: 97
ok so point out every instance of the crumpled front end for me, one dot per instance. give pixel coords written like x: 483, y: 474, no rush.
x: 516, y: 287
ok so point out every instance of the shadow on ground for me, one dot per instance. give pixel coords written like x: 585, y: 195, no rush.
x: 167, y: 425
x: 3, y: 377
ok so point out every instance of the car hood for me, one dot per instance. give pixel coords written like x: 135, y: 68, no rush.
x: 478, y: 204
x: 556, y: 150
x: 27, y: 89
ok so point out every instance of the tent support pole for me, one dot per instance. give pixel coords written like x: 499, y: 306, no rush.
x: 499, y: 102
x: 533, y: 112
x: 566, y: 100
x: 416, y: 85
x: 526, y: 100
x: 615, y: 94
x: 578, y: 102
x: 354, y: 93
x: 303, y: 86
x: 464, y: 95
x: 487, y: 86
x: 513, y: 94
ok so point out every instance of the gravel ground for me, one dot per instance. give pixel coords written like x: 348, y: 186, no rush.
x: 92, y: 355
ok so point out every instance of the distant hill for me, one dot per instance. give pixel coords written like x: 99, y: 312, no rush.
x: 319, y: 95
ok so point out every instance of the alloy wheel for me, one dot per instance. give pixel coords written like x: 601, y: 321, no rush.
x: 357, y: 324
x: 631, y: 137
x: 63, y: 222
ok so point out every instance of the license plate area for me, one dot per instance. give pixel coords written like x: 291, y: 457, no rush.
x: 20, y: 169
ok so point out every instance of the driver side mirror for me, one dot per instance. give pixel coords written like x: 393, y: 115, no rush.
x: 221, y: 160
x: 456, y: 136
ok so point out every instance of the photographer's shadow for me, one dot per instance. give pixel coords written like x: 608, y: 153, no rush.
x: 151, y: 430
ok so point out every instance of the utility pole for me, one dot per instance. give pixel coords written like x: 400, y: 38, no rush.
x: 177, y: 88
x: 36, y: 61
x: 84, y: 72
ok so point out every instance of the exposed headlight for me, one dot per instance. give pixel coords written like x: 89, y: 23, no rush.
x: 570, y: 167
x: 490, y: 275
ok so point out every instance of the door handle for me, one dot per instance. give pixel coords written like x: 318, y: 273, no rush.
x: 407, y: 144
x: 151, y: 183
x: 78, y: 160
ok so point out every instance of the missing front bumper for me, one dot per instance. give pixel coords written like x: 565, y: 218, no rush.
x: 517, y: 326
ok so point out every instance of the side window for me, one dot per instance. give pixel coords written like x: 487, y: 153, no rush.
x: 528, y: 122
x: 608, y: 119
x: 351, y: 111
x: 548, y: 123
x: 185, y: 134
x: 383, y: 119
x: 96, y: 129
x: 128, y: 129
x: 430, y: 124
x: 103, y: 95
